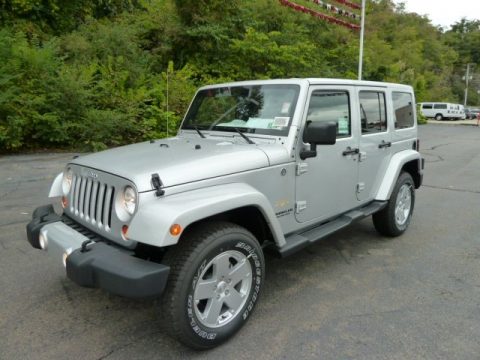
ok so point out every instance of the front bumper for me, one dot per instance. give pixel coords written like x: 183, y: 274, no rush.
x: 96, y: 264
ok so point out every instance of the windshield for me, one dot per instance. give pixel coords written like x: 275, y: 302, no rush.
x: 260, y: 109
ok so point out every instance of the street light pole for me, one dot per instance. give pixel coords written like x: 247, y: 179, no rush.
x: 362, y: 34
x: 467, y: 78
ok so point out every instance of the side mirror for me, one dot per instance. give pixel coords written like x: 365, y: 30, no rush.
x: 318, y: 133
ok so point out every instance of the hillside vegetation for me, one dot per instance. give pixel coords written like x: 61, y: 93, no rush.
x: 92, y: 74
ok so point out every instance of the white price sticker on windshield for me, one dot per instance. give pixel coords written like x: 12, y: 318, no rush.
x: 280, y: 121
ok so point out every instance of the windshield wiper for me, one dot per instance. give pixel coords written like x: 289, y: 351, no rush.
x: 247, y: 139
x: 241, y: 102
x: 199, y: 132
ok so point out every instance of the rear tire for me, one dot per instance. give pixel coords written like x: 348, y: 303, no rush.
x: 216, y: 274
x: 439, y: 117
x: 394, y: 219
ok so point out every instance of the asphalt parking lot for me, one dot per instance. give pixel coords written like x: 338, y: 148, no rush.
x: 355, y: 295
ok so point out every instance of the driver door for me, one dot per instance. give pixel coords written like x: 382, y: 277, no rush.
x: 326, y: 184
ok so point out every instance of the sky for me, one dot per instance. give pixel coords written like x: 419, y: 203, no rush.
x: 444, y: 13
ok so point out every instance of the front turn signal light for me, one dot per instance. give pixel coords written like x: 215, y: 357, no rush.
x: 64, y: 202
x: 124, y: 232
x: 175, y: 230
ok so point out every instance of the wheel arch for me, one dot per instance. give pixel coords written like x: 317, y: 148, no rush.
x: 409, y: 161
x: 238, y: 203
x: 412, y: 168
x: 249, y: 217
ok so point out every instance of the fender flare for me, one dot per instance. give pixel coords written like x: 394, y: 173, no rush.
x: 155, y: 216
x: 393, y: 171
x: 56, y: 188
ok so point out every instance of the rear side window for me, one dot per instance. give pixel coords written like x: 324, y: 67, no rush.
x: 373, y: 112
x: 440, y: 106
x: 427, y: 106
x: 403, y: 110
x: 328, y: 106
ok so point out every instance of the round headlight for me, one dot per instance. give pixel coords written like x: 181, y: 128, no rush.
x: 129, y: 200
x: 67, y: 181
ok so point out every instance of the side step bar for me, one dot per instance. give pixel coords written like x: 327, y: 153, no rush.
x: 299, y: 241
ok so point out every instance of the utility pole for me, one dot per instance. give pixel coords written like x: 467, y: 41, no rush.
x: 362, y: 34
x: 168, y: 71
x: 467, y: 78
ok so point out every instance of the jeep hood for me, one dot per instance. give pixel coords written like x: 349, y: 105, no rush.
x: 176, y: 160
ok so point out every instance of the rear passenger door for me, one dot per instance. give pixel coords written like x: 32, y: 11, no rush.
x: 375, y: 140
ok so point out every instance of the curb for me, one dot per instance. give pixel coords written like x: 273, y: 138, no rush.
x: 453, y: 123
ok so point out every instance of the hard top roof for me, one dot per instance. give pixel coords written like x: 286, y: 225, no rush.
x: 315, y: 81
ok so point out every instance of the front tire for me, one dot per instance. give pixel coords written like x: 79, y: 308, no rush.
x: 394, y: 219
x: 216, y: 275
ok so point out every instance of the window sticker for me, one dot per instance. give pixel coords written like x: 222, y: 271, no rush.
x: 280, y: 121
x: 258, y: 123
x: 343, y: 126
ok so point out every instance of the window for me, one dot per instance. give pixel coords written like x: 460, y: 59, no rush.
x: 403, y: 110
x: 440, y: 106
x: 372, y: 112
x: 331, y: 106
x: 261, y: 109
x: 427, y: 106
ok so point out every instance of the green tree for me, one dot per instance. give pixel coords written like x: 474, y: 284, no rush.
x: 95, y: 73
x: 464, y: 38
x: 60, y: 16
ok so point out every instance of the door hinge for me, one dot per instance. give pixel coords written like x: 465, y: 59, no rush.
x: 300, y: 206
x: 362, y: 156
x: 360, y: 187
x: 302, y: 168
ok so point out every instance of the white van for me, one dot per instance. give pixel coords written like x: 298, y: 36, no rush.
x: 443, y: 111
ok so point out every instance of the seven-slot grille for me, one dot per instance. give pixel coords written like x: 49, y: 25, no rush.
x: 92, y: 201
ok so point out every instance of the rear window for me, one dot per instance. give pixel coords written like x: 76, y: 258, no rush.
x: 403, y: 110
x: 440, y: 106
x: 427, y: 106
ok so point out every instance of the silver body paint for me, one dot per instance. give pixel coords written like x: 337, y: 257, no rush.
x: 203, y: 177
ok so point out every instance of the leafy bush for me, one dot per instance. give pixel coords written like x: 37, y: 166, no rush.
x: 94, y: 73
x: 421, y: 119
x: 28, y: 89
x: 92, y: 89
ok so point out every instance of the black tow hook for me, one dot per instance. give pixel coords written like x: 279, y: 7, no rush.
x: 84, y: 248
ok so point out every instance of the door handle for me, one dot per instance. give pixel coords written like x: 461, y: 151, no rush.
x: 350, y: 151
x: 384, y: 144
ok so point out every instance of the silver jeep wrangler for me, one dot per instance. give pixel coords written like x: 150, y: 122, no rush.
x: 256, y: 165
